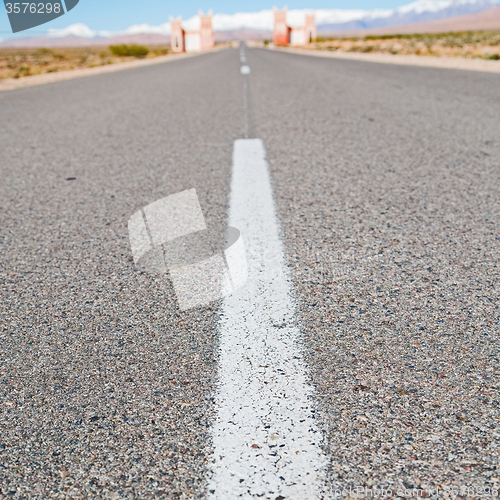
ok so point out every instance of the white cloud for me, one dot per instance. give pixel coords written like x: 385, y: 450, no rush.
x: 193, y: 23
x: 136, y: 29
x: 262, y: 20
x: 83, y: 31
x: 430, y: 6
x: 337, y: 16
x: 105, y: 33
x: 79, y: 30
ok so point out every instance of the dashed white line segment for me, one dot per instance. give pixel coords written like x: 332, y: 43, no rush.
x: 265, y: 438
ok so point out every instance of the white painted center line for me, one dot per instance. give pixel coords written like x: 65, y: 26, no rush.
x: 245, y: 70
x: 265, y: 438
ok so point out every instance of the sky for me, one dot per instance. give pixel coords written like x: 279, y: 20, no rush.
x: 117, y: 15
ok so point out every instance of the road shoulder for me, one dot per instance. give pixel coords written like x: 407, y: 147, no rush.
x: 406, y: 60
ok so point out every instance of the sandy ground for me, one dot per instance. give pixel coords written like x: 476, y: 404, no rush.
x: 463, y: 45
x: 407, y: 60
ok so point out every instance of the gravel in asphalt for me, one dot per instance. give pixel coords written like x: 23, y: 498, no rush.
x: 105, y: 385
x: 386, y: 182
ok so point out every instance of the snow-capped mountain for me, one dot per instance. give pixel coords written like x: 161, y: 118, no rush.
x: 415, y: 12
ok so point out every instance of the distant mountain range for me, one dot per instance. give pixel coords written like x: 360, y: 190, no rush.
x: 259, y: 25
x: 76, y: 41
x: 486, y: 20
x: 416, y: 12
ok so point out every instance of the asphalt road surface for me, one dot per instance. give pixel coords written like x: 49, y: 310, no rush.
x: 385, y: 181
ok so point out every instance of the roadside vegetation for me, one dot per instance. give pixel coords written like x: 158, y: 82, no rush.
x: 132, y: 50
x: 17, y: 63
x: 468, y: 44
